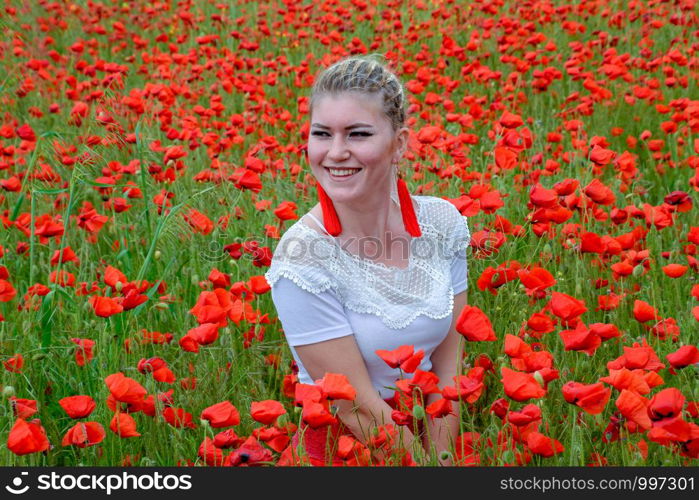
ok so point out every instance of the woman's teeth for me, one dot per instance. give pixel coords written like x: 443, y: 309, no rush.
x: 343, y: 172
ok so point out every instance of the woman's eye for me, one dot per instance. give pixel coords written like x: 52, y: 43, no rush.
x: 319, y: 133
x: 361, y: 134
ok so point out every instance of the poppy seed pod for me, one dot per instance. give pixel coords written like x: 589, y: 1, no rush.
x: 418, y: 412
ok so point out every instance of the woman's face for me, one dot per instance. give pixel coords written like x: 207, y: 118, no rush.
x: 352, y: 146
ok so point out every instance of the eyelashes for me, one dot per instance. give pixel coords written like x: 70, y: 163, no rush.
x: 319, y: 133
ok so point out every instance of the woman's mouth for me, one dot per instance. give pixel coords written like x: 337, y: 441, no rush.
x: 342, y: 173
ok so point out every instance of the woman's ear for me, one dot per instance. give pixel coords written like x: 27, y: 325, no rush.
x: 402, y: 138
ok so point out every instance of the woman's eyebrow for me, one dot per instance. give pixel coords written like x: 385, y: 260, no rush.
x: 354, y: 125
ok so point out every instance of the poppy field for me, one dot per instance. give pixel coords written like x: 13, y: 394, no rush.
x: 152, y: 154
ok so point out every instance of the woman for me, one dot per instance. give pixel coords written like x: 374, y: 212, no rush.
x: 369, y: 267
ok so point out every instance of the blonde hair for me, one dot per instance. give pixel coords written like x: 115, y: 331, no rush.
x: 367, y: 75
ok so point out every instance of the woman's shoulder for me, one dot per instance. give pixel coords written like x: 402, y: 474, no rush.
x: 441, y: 212
x: 450, y: 225
x: 303, y: 255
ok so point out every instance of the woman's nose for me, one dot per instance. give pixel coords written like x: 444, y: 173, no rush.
x: 338, y: 149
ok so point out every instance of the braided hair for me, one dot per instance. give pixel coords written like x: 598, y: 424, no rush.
x: 368, y: 75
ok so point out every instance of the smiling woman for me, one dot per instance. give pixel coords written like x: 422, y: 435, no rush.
x: 343, y: 307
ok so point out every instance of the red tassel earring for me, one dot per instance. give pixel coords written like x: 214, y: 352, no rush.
x: 330, y: 218
x: 407, y: 210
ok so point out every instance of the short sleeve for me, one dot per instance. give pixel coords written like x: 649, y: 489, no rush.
x: 307, y: 317
x: 459, y: 272
x: 459, y: 238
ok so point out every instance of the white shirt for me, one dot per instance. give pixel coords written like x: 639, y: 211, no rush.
x: 321, y: 297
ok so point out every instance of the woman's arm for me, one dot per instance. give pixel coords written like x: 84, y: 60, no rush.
x: 368, y: 410
x: 446, y: 364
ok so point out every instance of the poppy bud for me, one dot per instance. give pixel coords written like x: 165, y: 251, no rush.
x: 195, y: 279
x: 157, y: 255
x: 162, y: 306
x: 637, y: 271
x: 204, y: 423
x: 232, y: 263
x: 118, y: 286
x: 547, y: 248
x: 39, y: 356
x: 539, y: 378
x: 418, y: 412
x: 8, y: 391
x: 148, y: 462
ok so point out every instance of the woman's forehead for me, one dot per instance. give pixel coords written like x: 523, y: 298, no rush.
x: 348, y: 107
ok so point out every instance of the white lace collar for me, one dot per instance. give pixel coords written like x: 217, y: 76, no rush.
x: 316, y: 262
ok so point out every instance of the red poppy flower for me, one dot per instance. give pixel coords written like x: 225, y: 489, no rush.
x: 543, y: 445
x: 439, y: 408
x: 286, y: 211
x: 105, y: 307
x: 83, y: 353
x: 14, y: 364
x: 530, y: 413
x: 78, y: 406
x: 317, y: 415
x: 466, y: 389
x: 222, y: 414
x: 639, y: 356
x: 667, y: 403
x: 306, y: 392
x: 675, y: 270
x: 634, y: 408
x: 199, y: 222
x: 204, y: 334
x: 536, y: 280
x: 397, y: 356
x: 542, y: 197
x: 601, y: 156
x: 23, y: 408
x: 684, y: 356
x: 425, y: 381
x: 123, y: 425
x: 336, y: 386
x: 566, y: 307
x: 251, y: 453
x: 178, y: 417
x: 475, y: 325
x: 520, y: 386
x: 643, y: 311
x: 227, y: 439
x: 580, y: 339
x: 27, y: 437
x: 592, y: 398
x: 598, y: 192
x: 212, y: 454
x: 632, y: 380
x: 673, y: 430
x: 510, y: 120
x: 125, y: 389
x: 84, y: 434
x: 7, y: 291
x: 112, y: 276
x: 266, y: 412
x: 411, y: 364
x: 428, y: 134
